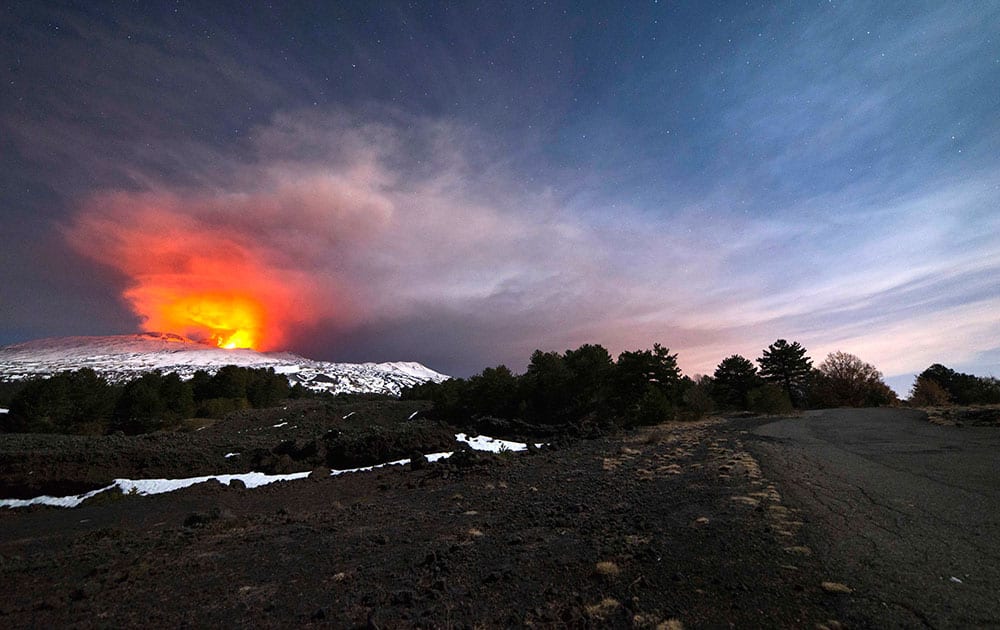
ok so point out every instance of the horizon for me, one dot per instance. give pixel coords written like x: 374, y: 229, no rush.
x: 211, y: 344
x: 459, y: 186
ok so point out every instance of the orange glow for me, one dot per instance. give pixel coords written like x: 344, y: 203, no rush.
x: 205, y: 271
x: 228, y: 321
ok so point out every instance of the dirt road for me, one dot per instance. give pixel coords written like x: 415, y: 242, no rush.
x: 906, y: 513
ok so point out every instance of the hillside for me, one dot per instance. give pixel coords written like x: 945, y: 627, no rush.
x: 122, y: 357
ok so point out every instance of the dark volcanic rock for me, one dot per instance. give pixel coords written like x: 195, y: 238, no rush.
x: 375, y: 445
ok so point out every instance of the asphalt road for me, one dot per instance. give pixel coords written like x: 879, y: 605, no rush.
x: 904, y: 512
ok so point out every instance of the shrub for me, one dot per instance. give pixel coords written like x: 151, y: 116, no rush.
x: 698, y: 397
x: 770, y: 399
x: 927, y: 392
x: 220, y: 407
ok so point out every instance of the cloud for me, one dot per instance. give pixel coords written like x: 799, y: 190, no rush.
x: 342, y: 223
x: 266, y: 257
x: 352, y: 230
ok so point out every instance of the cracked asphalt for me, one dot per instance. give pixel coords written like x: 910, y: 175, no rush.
x: 906, y: 513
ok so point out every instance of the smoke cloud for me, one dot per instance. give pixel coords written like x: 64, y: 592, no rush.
x: 408, y: 238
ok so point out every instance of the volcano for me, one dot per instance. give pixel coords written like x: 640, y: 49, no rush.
x: 122, y: 357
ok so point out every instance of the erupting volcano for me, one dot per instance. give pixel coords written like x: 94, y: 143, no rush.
x: 201, y: 269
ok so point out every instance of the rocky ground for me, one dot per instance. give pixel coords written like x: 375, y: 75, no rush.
x: 670, y: 527
x: 358, y: 429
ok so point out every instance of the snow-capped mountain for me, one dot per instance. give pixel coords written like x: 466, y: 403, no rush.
x: 122, y: 357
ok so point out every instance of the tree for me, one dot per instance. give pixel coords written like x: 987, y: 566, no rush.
x: 697, y: 396
x: 140, y: 408
x: 579, y: 388
x: 68, y: 402
x: 591, y: 368
x: 494, y: 392
x: 266, y: 388
x: 151, y: 402
x: 735, y: 378
x: 844, y: 380
x: 178, y: 396
x: 647, y: 385
x: 787, y: 366
x: 230, y: 382
x: 546, y: 388
x: 963, y: 389
x: 927, y: 392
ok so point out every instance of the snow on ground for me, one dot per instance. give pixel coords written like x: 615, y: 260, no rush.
x: 4, y: 410
x: 250, y: 479
x: 122, y: 357
x: 493, y: 445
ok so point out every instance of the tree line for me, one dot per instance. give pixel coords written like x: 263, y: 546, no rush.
x: 82, y: 401
x: 646, y: 386
x: 940, y: 385
x: 582, y: 385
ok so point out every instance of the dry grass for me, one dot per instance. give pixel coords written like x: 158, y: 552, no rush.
x: 836, y: 587
x: 656, y: 435
x: 653, y: 621
x: 607, y: 569
x: 603, y: 608
x: 752, y: 502
x: 610, y: 463
x: 955, y: 415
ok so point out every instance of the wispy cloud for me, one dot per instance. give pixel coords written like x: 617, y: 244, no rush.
x: 820, y: 173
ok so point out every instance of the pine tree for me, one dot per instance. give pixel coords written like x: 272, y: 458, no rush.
x: 787, y: 366
x: 735, y: 378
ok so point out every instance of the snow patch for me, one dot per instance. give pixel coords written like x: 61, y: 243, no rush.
x: 147, y: 487
x: 280, y: 424
x: 4, y: 410
x: 493, y: 445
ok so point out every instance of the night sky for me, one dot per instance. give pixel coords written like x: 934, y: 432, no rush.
x: 461, y: 184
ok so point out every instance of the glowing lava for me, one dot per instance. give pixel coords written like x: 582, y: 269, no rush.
x: 228, y: 321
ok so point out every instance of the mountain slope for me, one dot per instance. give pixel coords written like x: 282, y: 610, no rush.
x: 121, y: 357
